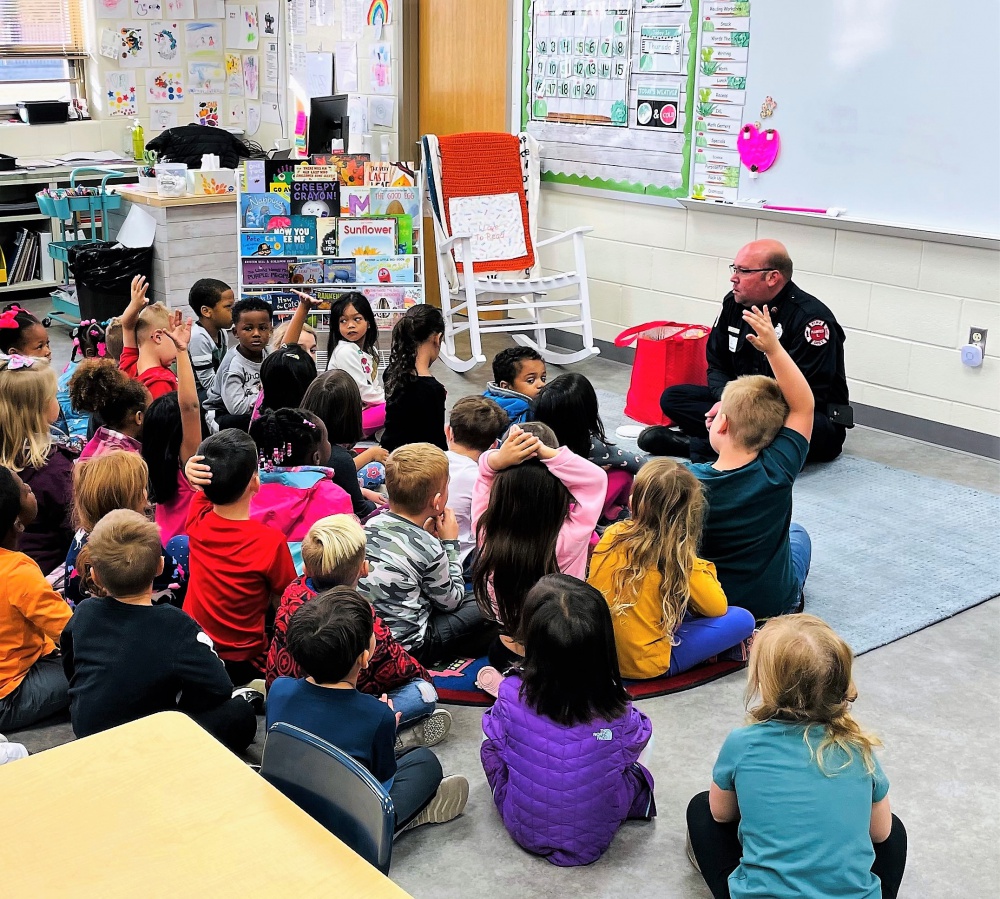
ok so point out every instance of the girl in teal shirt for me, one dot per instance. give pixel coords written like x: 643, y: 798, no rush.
x: 799, y: 804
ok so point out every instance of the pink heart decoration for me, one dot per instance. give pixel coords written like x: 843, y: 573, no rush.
x: 758, y: 149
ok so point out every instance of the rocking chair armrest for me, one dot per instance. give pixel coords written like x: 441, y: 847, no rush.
x: 565, y: 235
x: 448, y: 243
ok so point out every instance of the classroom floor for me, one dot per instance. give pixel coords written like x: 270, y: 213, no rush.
x: 932, y: 697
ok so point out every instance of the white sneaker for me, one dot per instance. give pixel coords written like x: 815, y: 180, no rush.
x: 448, y: 802
x: 11, y: 752
x: 428, y: 732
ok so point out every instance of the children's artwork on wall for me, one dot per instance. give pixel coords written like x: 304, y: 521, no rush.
x: 178, y: 9
x: 237, y: 117
x: 234, y: 26
x: 133, y: 51
x: 203, y: 39
x: 162, y: 117
x: 109, y: 43
x: 234, y: 75
x: 379, y: 13
x: 267, y: 13
x: 210, y: 9
x: 206, y: 112
x: 251, y: 27
x: 119, y: 90
x: 165, y: 86
x: 166, y: 38
x: 251, y: 77
x: 206, y: 78
x: 113, y: 9
x: 253, y: 116
x: 381, y: 68
x: 145, y: 9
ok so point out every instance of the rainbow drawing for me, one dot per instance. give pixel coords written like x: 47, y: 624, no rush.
x: 378, y: 12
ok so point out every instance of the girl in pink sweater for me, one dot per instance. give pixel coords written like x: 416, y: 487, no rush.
x: 534, y: 509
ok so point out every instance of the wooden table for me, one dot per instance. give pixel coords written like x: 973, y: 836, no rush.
x: 159, y: 808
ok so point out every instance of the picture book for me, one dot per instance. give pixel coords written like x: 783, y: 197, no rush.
x: 367, y: 236
x: 280, y: 300
x: 306, y: 273
x: 256, y: 243
x: 404, y: 234
x: 394, y: 201
x: 326, y: 236
x: 257, y: 209
x: 328, y: 296
x: 354, y: 201
x: 280, y: 171
x: 298, y: 233
x: 253, y: 177
x: 320, y: 199
x: 388, y: 304
x: 350, y: 167
x: 378, y: 174
x: 385, y: 269
x: 315, y: 173
x: 265, y: 271
x: 340, y: 271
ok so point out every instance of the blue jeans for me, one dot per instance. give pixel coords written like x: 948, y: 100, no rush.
x: 801, y: 553
x: 414, y: 700
x: 43, y: 692
x: 702, y: 638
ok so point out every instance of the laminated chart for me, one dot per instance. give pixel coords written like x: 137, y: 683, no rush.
x: 608, y: 91
x: 721, y: 98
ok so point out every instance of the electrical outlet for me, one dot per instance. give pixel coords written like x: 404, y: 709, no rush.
x: 977, y: 336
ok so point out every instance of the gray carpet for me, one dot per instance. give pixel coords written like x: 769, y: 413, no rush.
x: 893, y: 552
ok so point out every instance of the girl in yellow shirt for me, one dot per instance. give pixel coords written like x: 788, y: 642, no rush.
x: 668, y: 608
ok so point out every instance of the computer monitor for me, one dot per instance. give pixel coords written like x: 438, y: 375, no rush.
x: 327, y: 122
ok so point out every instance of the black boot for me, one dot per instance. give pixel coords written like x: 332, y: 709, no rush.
x: 663, y: 441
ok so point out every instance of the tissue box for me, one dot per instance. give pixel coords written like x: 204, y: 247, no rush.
x: 210, y: 182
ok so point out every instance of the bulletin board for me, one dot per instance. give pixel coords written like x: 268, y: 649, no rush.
x: 607, y: 87
x: 888, y: 111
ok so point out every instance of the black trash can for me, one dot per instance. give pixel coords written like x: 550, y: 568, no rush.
x: 103, y: 272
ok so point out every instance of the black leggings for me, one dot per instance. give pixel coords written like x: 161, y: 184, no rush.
x: 718, y: 850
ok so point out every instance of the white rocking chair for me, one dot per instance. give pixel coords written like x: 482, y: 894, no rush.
x: 510, y: 282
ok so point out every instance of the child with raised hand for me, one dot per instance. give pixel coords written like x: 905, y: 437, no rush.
x: 32, y: 617
x: 126, y: 658
x: 652, y: 578
x: 238, y: 567
x: 569, y: 406
x: 28, y: 408
x: 172, y: 430
x: 518, y: 378
x: 334, y: 556
x: 798, y: 804
x: 212, y: 301
x: 415, y: 399
x: 113, y: 480
x: 99, y: 387
x: 761, y: 430
x: 534, y: 510
x: 296, y: 487
x: 148, y: 349
x: 332, y: 639
x: 415, y: 579
x: 564, y: 747
x: 353, y: 347
x: 335, y: 399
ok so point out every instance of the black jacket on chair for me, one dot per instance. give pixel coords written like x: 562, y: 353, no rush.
x: 188, y: 143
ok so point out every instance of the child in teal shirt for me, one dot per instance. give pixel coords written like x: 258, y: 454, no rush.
x: 799, y: 804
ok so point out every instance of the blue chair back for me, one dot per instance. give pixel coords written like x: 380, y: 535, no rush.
x: 333, y: 788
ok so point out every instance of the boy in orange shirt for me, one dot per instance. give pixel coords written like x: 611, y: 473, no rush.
x: 149, y: 347
x: 32, y: 616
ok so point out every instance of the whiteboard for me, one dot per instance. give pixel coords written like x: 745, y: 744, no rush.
x: 888, y: 108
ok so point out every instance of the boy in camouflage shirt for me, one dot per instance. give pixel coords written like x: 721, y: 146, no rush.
x: 415, y: 577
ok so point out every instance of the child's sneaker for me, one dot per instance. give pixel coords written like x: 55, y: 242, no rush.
x: 448, y: 802
x: 690, y: 853
x: 428, y: 732
x: 254, y: 697
x: 741, y: 651
x: 11, y: 752
x: 488, y: 680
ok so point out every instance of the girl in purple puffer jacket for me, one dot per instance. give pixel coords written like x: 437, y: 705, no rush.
x: 563, y: 743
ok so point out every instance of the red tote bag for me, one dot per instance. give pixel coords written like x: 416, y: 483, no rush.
x: 666, y: 353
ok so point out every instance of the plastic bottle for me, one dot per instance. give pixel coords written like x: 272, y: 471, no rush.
x: 138, y: 140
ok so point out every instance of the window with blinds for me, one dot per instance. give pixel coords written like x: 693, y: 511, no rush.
x: 42, y: 50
